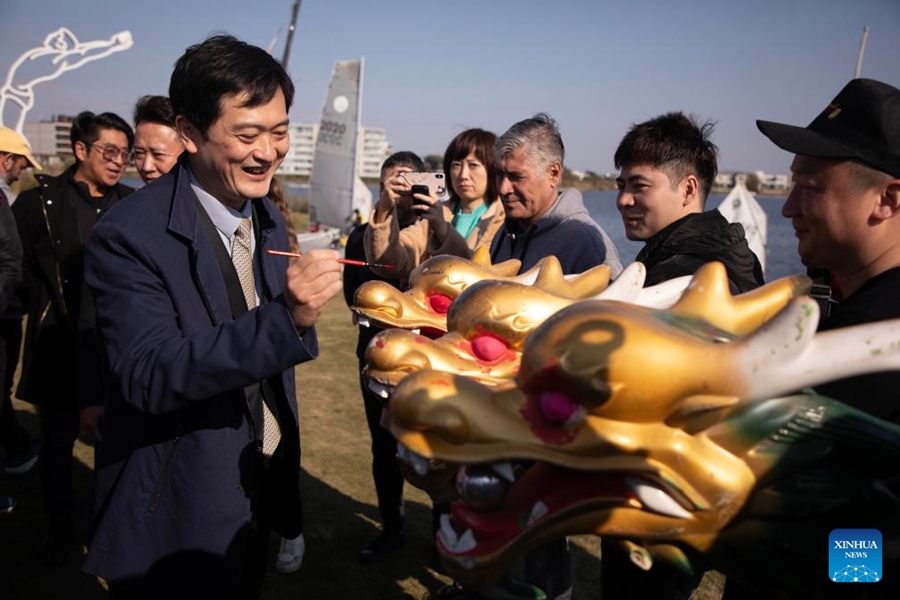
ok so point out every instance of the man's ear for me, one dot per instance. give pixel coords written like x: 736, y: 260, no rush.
x: 690, y: 192
x: 81, y: 151
x: 190, y: 135
x: 554, y: 173
x: 888, y: 205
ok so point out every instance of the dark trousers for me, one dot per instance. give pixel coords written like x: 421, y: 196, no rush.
x: 190, y: 577
x: 14, y: 439
x: 59, y: 429
x: 385, y: 470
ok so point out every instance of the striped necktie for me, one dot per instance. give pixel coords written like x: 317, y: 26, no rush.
x: 242, y: 258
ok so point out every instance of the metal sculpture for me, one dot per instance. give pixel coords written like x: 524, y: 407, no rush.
x: 61, y: 51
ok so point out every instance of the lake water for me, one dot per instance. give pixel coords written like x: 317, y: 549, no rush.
x: 782, y: 254
x: 782, y: 251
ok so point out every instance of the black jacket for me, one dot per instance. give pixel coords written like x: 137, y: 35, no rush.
x: 692, y: 241
x: 60, y: 348
x: 10, y: 256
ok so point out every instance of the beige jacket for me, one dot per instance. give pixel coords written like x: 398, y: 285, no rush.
x: 486, y: 228
x: 407, y: 248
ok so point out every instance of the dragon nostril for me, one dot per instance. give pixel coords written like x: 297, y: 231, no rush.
x: 556, y: 407
x: 439, y: 303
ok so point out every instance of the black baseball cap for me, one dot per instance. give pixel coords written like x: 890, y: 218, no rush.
x: 862, y: 122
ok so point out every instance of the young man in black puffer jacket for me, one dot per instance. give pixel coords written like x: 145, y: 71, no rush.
x: 666, y: 168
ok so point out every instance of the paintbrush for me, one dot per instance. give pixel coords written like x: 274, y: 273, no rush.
x: 343, y: 261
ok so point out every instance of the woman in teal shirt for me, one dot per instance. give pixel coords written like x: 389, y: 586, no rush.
x: 474, y: 201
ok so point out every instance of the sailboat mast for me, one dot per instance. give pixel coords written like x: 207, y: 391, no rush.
x: 862, y: 50
x: 290, y: 36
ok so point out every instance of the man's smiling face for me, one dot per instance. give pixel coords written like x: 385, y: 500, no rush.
x: 647, y: 201
x: 526, y: 190
x: 237, y: 157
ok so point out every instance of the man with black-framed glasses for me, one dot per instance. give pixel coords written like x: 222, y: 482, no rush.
x: 62, y: 370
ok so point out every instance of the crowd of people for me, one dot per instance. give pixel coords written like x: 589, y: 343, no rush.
x: 161, y: 328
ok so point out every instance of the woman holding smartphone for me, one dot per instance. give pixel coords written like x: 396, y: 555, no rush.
x: 458, y: 226
x: 469, y: 167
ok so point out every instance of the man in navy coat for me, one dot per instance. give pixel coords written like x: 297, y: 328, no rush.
x: 186, y: 490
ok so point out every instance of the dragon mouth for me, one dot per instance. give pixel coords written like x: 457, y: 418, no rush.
x: 370, y: 319
x: 509, y: 507
x: 380, y: 389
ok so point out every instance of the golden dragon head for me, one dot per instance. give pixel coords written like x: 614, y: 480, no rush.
x: 438, y: 281
x: 667, y: 430
x: 490, y: 321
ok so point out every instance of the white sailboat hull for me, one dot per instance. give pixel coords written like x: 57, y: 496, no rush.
x: 740, y: 206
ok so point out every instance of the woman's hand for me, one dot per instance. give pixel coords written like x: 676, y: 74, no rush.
x: 431, y: 208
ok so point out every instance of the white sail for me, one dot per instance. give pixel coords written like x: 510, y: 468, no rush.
x: 362, y: 198
x: 334, y: 191
x: 740, y: 206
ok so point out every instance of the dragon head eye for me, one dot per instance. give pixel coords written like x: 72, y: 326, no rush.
x: 488, y: 347
x: 439, y: 303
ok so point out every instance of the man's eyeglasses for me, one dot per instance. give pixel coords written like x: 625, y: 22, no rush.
x: 112, y: 153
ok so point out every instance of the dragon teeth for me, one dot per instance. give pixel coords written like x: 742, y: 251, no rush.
x: 453, y: 541
x: 466, y: 543
x: 504, y: 470
x: 447, y: 533
x: 380, y: 390
x: 656, y: 500
x: 361, y: 320
x: 538, y: 511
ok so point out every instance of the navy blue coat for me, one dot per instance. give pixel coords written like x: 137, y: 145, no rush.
x: 178, y: 468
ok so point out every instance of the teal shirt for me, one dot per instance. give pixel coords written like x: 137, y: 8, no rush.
x: 464, y: 223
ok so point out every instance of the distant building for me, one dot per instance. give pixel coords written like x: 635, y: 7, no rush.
x: 50, y: 141
x: 773, y: 182
x: 724, y: 180
x: 767, y: 182
x: 372, y: 147
x: 371, y: 150
x: 299, y: 158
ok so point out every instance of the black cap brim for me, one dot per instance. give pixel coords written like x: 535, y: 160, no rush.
x: 801, y: 140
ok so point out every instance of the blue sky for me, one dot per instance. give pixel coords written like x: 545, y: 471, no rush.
x: 433, y: 69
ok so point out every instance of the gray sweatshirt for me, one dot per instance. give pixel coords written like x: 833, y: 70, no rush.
x: 566, y: 231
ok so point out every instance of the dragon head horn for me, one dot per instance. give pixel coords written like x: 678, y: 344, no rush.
x: 482, y: 257
x: 709, y: 296
x: 550, y: 278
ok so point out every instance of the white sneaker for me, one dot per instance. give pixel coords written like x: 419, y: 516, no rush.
x: 290, y: 555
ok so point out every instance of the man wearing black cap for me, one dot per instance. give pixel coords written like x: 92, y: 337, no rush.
x: 845, y: 209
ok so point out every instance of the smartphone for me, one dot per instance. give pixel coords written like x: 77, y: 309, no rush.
x: 432, y: 180
x: 419, y: 189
